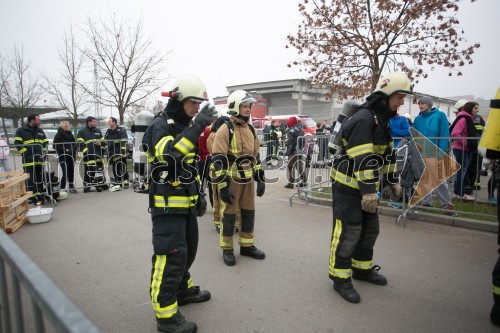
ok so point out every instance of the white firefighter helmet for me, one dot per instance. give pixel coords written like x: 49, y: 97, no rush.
x: 392, y: 83
x: 188, y: 87
x: 458, y: 105
x: 236, y: 99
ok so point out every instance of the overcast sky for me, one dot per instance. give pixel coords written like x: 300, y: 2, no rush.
x: 228, y: 42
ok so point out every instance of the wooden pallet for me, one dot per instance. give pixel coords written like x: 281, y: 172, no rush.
x: 13, y: 200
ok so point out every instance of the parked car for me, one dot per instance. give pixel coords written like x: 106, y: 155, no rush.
x: 10, y: 138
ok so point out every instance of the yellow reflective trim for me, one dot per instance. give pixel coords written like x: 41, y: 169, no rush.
x: 184, y: 146
x: 337, y: 231
x: 169, y: 310
x: 18, y: 138
x: 344, y: 179
x: 176, y: 201
x: 363, y: 175
x: 496, y: 290
x: 246, y: 241
x: 366, y: 148
x: 23, y: 150
x: 32, y: 164
x: 257, y: 167
x: 27, y: 142
x: 480, y: 127
x: 389, y: 168
x: 80, y: 139
x: 190, y: 283
x: 85, y: 150
x: 391, y: 145
x: 221, y: 185
x: 366, y: 265
x: 379, y: 149
x: 220, y: 173
x: 160, y: 147
x: 233, y: 145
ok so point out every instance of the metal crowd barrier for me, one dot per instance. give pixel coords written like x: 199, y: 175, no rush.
x: 49, y: 303
x: 51, y: 163
x: 318, y: 166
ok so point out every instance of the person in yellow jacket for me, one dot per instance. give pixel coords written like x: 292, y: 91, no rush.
x: 237, y: 166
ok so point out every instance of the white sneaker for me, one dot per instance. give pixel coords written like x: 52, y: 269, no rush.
x: 467, y: 197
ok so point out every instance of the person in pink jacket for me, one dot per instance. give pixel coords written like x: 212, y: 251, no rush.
x: 463, y: 127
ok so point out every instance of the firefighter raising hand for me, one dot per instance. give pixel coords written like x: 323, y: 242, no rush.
x: 206, y: 116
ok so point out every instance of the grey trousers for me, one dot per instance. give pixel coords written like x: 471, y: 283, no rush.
x: 442, y: 193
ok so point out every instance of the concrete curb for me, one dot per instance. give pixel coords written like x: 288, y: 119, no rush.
x: 426, y: 217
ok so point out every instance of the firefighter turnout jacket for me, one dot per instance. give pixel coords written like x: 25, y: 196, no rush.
x: 174, y: 182
x: 116, y: 141
x: 368, y: 153
x: 33, y: 142
x: 87, y: 137
x: 236, y: 143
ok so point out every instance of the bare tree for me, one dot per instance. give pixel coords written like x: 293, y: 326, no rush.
x: 158, y: 107
x: 349, y: 43
x: 66, y: 90
x: 4, y: 77
x: 21, y: 90
x: 128, y: 67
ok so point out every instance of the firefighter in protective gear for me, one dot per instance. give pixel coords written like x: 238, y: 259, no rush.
x: 116, y: 141
x: 489, y: 147
x: 216, y: 200
x: 31, y: 142
x: 92, y: 145
x: 367, y: 154
x: 236, y: 164
x: 175, y: 201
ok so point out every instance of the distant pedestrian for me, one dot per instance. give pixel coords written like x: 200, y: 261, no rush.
x: 433, y: 125
x: 116, y: 141
x: 66, y: 148
x: 463, y: 128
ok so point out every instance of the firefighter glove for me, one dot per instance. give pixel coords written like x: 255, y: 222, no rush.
x: 369, y: 202
x: 201, y: 206
x: 206, y: 116
x: 259, y: 176
x: 261, y: 188
x: 393, y: 190
x: 226, y: 195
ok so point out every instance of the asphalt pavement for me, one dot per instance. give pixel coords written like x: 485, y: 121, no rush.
x: 97, y: 249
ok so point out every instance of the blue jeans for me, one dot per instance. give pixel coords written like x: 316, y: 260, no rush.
x: 463, y: 158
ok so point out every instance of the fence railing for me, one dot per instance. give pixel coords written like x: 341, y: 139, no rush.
x: 474, y: 193
x: 49, y: 303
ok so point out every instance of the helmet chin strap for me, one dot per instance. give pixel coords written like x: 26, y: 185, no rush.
x: 246, y: 119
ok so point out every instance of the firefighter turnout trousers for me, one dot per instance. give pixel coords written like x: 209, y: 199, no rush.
x: 175, y: 243
x: 244, y: 203
x: 354, y: 234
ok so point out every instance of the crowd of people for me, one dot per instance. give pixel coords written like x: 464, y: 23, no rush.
x: 458, y: 139
x: 189, y: 146
x: 32, y: 144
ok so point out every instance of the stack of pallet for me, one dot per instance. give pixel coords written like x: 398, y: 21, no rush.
x: 13, y: 200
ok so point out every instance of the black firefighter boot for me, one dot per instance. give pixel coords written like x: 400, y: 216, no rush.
x: 347, y: 291
x: 370, y: 275
x: 192, y: 295
x: 247, y: 225
x: 176, y: 324
x: 228, y: 221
